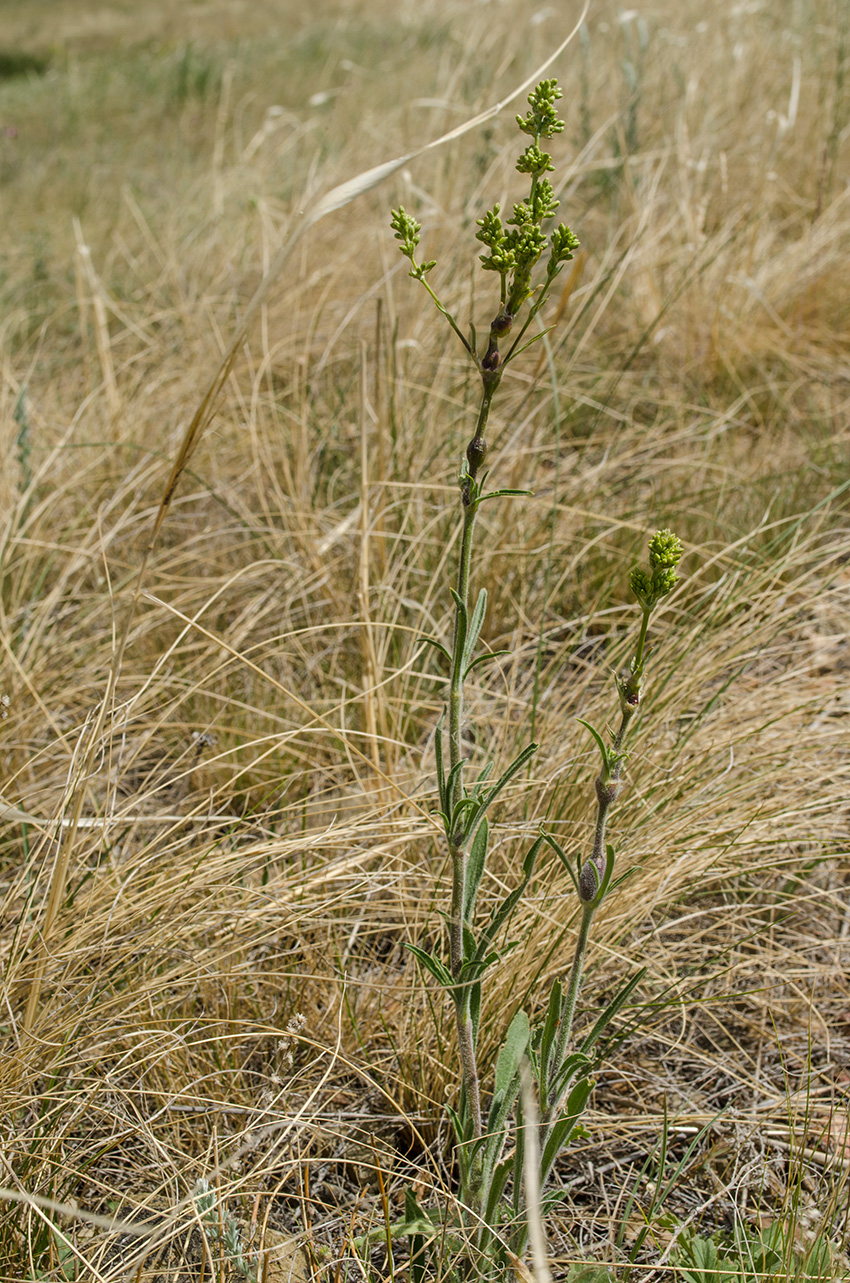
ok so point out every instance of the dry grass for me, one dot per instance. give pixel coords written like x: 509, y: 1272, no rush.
x: 254, y: 837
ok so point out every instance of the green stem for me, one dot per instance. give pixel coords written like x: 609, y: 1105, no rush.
x: 456, y: 688
x: 451, y: 320
x: 568, y: 1005
x: 463, y: 1014
x: 637, y: 662
x: 457, y: 847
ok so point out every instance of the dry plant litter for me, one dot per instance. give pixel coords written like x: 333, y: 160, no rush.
x: 252, y: 842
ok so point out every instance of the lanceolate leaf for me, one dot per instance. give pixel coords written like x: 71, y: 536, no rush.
x: 432, y: 641
x: 475, y: 624
x: 475, y: 1010
x: 536, y: 339
x: 603, y: 747
x: 501, y: 915
x: 513, y: 1049
x: 504, y: 494
x: 484, y: 659
x: 497, y: 1188
x: 475, y: 870
x: 572, y: 1065
x: 441, y: 773
x: 450, y: 787
x: 432, y: 964
x: 562, y: 856
x: 413, y: 1215
x: 549, y: 1040
x: 618, y: 882
x: 506, y: 1087
x: 516, y: 765
x: 462, y: 625
x: 458, y: 824
x: 483, y: 776
x: 611, y: 1010
x: 562, y: 1131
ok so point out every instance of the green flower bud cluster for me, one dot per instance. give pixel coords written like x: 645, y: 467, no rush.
x: 665, y: 553
x: 534, y: 161
x: 542, y: 119
x: 564, y: 242
x: 515, y: 246
x: 407, y: 231
x: 516, y: 249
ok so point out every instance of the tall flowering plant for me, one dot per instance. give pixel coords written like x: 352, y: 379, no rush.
x: 527, y: 252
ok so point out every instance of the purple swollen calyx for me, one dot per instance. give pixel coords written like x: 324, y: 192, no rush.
x: 588, y: 881
x: 476, y: 452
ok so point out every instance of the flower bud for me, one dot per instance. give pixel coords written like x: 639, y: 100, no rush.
x: 607, y: 791
x: 588, y: 881
x: 476, y: 452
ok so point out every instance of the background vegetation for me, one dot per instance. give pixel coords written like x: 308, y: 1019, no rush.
x: 254, y: 843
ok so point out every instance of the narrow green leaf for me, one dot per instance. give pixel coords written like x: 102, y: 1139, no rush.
x: 548, y: 1041
x: 418, y: 1271
x: 497, y: 1188
x: 536, y: 339
x: 457, y: 1127
x: 475, y: 1010
x: 505, y: 778
x: 475, y: 870
x: 562, y: 1131
x: 432, y: 641
x: 463, y: 623
x: 603, y: 747
x: 513, y: 1049
x: 611, y: 1010
x: 517, y: 1161
x: 483, y: 659
x: 475, y: 625
x: 450, y: 787
x: 505, y: 1091
x: 504, y: 494
x: 432, y: 964
x: 503, y: 912
x: 562, y: 856
x: 566, y: 1072
x: 483, y: 776
x: 618, y: 882
x: 466, y: 804
x: 441, y: 773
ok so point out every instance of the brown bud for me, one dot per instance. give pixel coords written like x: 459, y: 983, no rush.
x: 607, y: 791
x: 588, y: 881
x: 501, y: 325
x: 476, y: 453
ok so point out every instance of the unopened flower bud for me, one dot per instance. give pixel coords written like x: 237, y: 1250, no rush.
x: 588, y: 881
x: 476, y: 452
x: 665, y: 549
x: 607, y: 791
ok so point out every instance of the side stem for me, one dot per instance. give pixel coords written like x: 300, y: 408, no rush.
x: 568, y: 1005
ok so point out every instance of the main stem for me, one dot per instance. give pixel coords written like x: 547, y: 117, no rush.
x: 457, y: 846
x: 457, y: 841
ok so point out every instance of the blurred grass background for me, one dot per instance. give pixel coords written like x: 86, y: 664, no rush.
x: 255, y: 838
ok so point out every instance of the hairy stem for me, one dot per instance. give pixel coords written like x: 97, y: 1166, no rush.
x: 456, y: 689
x: 457, y: 843
x: 463, y: 1015
x: 568, y: 1005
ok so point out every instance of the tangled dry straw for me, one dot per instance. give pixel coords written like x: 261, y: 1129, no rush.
x: 254, y: 835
